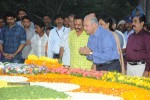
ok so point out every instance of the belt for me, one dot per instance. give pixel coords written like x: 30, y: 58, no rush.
x: 107, y: 63
x: 56, y: 56
x: 137, y: 63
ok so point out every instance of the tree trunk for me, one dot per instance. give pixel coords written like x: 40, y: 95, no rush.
x: 148, y: 11
x: 59, y: 6
x: 143, y: 4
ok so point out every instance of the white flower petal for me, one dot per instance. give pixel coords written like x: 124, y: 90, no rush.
x: 57, y: 86
x: 13, y: 78
x: 91, y: 96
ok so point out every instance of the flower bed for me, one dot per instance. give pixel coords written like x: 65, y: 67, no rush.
x: 78, y: 72
x: 14, y: 68
x: 102, y: 82
x: 141, y: 82
x: 89, y: 85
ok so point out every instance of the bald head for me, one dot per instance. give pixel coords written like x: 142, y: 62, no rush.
x: 91, y: 17
x: 90, y: 24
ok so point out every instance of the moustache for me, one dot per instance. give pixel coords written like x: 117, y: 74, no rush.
x: 9, y: 22
x: 133, y: 26
x: 129, y: 26
x: 59, y: 23
x: 77, y: 28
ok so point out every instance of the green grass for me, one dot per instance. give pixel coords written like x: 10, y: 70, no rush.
x: 30, y: 92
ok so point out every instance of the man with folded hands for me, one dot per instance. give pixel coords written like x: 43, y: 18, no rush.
x: 101, y: 49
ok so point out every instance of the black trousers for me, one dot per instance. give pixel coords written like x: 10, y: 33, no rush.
x: 115, y: 66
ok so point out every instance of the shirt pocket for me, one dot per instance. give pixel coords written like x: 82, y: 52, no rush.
x: 139, y: 45
x: 16, y: 37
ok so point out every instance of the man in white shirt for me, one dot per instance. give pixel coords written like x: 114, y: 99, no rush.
x: 56, y: 36
x: 39, y: 41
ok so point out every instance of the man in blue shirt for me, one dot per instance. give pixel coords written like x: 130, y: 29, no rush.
x: 12, y: 40
x: 2, y: 24
x: 102, y: 48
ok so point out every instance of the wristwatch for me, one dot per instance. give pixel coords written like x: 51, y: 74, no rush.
x: 91, y: 53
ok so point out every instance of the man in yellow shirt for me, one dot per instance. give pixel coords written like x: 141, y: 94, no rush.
x: 78, y: 38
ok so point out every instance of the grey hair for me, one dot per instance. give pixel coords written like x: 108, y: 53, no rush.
x: 94, y: 20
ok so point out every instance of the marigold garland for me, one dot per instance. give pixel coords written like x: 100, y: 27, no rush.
x: 43, y: 61
x: 95, y: 86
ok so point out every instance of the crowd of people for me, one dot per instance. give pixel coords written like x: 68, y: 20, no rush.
x: 90, y: 43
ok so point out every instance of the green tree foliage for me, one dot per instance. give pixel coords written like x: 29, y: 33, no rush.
x: 38, y: 8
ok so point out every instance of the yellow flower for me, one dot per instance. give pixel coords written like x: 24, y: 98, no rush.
x: 42, y: 58
x: 32, y: 57
x: 121, y: 78
x: 3, y: 84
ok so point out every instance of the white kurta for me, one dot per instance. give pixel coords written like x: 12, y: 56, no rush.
x: 38, y: 45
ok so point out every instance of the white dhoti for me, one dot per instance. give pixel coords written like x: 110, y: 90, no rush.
x: 135, y: 70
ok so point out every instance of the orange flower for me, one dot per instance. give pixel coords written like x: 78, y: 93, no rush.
x: 43, y: 61
x: 90, y: 85
x: 94, y: 86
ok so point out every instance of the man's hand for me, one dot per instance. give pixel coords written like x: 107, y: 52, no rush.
x: 11, y: 56
x: 93, y: 67
x: 85, y: 50
x: 8, y: 56
x: 145, y: 74
x: 5, y: 55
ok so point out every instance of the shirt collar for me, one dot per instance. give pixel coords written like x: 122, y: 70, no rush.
x: 13, y: 26
x: 128, y: 32
x: 44, y: 35
x: 62, y: 28
x: 83, y: 32
x: 140, y: 32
